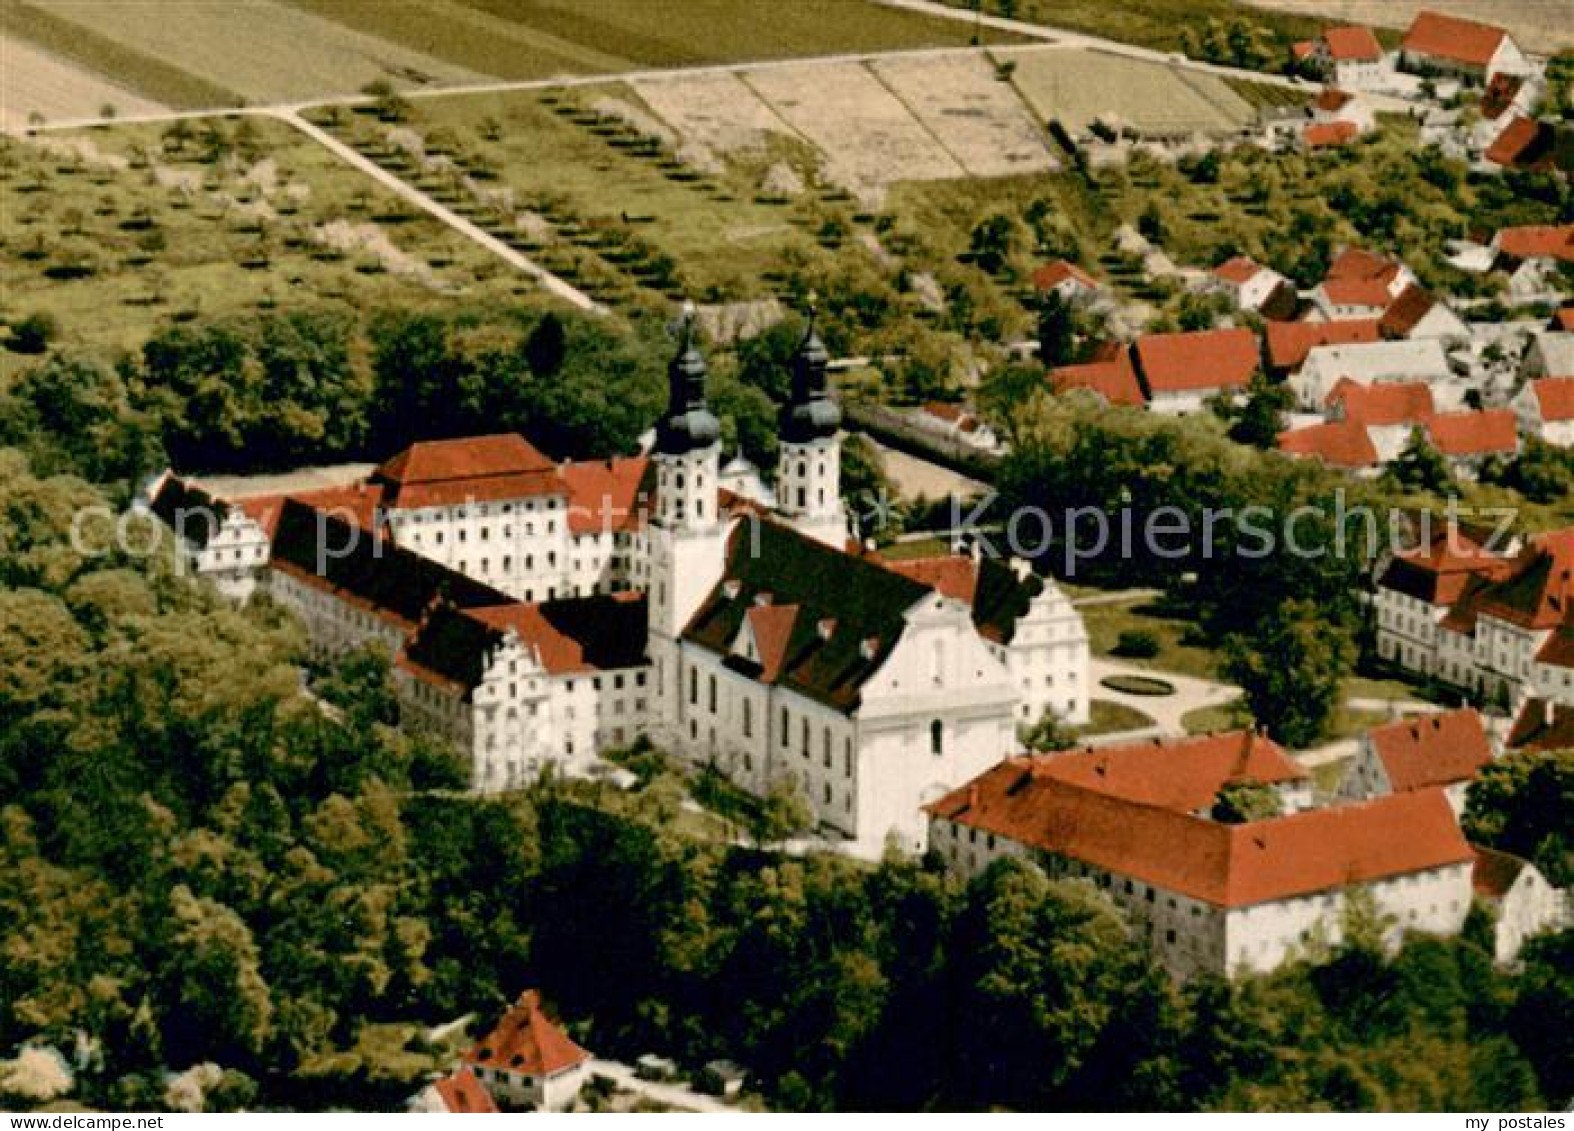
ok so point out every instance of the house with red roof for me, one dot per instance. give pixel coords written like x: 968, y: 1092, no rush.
x: 1329, y: 135
x: 1524, y: 143
x: 1209, y: 897
x: 1334, y: 105
x: 1437, y: 44
x: 1546, y: 409
x: 1468, y: 438
x: 1532, y: 256
x: 1113, y: 380
x: 1359, y: 284
x: 1417, y: 313
x: 1343, y: 444
x: 1542, y: 725
x: 1180, y: 373
x: 1251, y: 286
x: 458, y: 1093
x: 1446, y: 751
x: 1523, y: 903
x: 1349, y: 57
x: 1067, y: 280
x: 527, y: 1062
x: 1416, y: 588
x: 1289, y: 343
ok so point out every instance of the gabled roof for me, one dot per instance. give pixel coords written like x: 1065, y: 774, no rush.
x: 1433, y: 750
x: 1181, y: 774
x: 526, y: 1043
x: 602, y: 494
x: 1487, y: 432
x: 1331, y: 99
x: 1226, y: 865
x: 476, y: 469
x: 851, y: 610
x: 1558, y: 651
x: 1343, y: 443
x: 1499, y: 95
x: 568, y: 636
x: 1371, y: 293
x: 1537, y: 241
x: 1290, y: 342
x: 1521, y: 143
x: 1358, y: 263
x: 1452, y: 38
x: 1238, y: 269
x: 1200, y: 360
x: 1537, y: 591
x: 1115, y: 380
x: 463, y: 1094
x: 1319, y: 135
x: 1495, y: 872
x: 1562, y: 319
x: 1352, y: 44
x: 1381, y: 403
x: 1438, y: 573
x: 326, y: 552
x: 1053, y: 274
x: 991, y: 588
x: 772, y: 627
x: 1404, y: 314
x: 1554, y: 398
x: 189, y: 510
x: 1542, y: 725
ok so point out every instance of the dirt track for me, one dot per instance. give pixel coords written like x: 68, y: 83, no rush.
x: 1540, y: 26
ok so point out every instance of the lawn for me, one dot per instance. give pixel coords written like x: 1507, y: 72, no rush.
x: 1075, y: 87
x: 1108, y: 717
x: 1178, y: 652
x: 1211, y: 720
x: 116, y: 234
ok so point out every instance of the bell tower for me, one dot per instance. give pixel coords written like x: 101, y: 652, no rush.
x: 808, y: 472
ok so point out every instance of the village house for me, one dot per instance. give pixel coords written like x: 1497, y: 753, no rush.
x: 1417, y: 313
x: 1349, y: 57
x: 1206, y: 896
x: 1366, y: 363
x: 1446, y: 751
x: 212, y: 538
x: 1523, y: 903
x: 1358, y: 285
x: 1180, y: 373
x: 1287, y: 344
x: 1550, y: 354
x: 1335, y: 106
x: 1067, y: 280
x: 1113, y: 379
x: 1436, y: 44
x: 1546, y: 410
x: 527, y: 1063
x: 1542, y: 725
x: 957, y: 424
x: 1253, y: 287
x: 1504, y: 626
x: 1532, y: 256
x: 458, y: 1093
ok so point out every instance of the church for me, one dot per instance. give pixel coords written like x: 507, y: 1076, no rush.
x: 541, y: 613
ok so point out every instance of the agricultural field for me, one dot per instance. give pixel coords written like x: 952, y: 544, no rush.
x: 1076, y: 87
x: 35, y: 84
x: 261, y: 50
x: 1543, y: 27
x: 117, y: 231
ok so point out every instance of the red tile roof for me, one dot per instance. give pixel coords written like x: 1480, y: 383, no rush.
x: 1358, y: 263
x: 1114, y: 380
x: 1537, y: 241
x: 1492, y: 431
x: 1185, y: 774
x: 1053, y: 274
x: 1452, y: 38
x: 1331, y: 99
x: 602, y: 494
x: 1542, y: 725
x: 463, y: 1094
x: 1499, y: 95
x: 1495, y: 872
x: 1352, y: 44
x: 1290, y: 342
x: 1238, y: 270
x: 1518, y: 138
x: 1225, y: 865
x: 1200, y: 360
x: 582, y: 634
x: 1554, y: 398
x: 1536, y: 591
x: 772, y: 627
x: 526, y: 1043
x: 1319, y: 135
x: 1558, y: 651
x: 477, y: 469
x: 953, y: 575
x: 1404, y: 314
x: 1302, y: 48
x: 1563, y: 318
x: 1344, y: 443
x: 1358, y: 292
x: 1439, y: 572
x: 1433, y: 750
x: 1383, y: 403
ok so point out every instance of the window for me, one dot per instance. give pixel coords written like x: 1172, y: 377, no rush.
x: 786, y: 731
x: 826, y: 745
x: 803, y: 741
x: 748, y: 719
x: 711, y: 693
x: 937, y: 738
x: 694, y: 687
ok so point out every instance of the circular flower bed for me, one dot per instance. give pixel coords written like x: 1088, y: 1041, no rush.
x: 1138, y: 685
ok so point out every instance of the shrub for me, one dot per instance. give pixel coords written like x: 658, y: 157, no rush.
x: 34, y: 333
x: 1137, y: 644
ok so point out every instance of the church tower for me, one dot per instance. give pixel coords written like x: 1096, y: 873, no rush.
x: 808, y: 472
x: 686, y: 537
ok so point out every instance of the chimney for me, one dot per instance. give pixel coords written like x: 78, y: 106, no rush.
x: 972, y: 796
x: 762, y: 598
x: 826, y: 627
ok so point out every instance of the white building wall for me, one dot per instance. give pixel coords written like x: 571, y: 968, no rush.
x: 1530, y: 906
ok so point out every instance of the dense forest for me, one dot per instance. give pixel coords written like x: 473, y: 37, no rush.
x: 200, y: 861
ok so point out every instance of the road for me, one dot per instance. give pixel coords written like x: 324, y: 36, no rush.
x: 1167, y: 711
x: 673, y: 1094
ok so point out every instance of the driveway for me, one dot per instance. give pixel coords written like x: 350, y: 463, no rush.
x: 673, y: 1094
x: 1166, y: 711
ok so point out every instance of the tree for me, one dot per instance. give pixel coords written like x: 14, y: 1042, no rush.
x: 993, y: 242
x: 1006, y: 392
x: 1421, y: 467
x: 782, y: 812
x: 1057, y: 330
x: 1521, y: 805
x: 1241, y: 801
x: 1260, y: 418
x: 1049, y: 734
x: 1292, y: 669
x: 33, y: 333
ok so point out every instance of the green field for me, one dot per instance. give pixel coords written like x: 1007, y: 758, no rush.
x: 1159, y: 24
x: 1106, y: 622
x: 115, y: 253
x: 1108, y: 717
